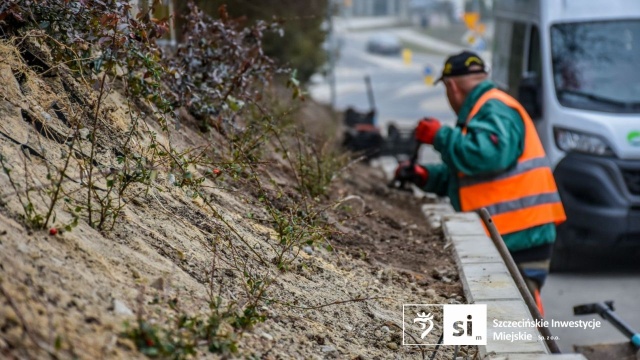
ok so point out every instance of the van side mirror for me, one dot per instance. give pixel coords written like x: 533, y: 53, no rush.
x: 530, y: 95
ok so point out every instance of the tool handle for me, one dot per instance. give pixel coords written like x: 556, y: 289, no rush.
x: 617, y: 322
x: 416, y: 152
x: 372, y: 102
x: 400, y: 184
x: 517, y: 278
x: 606, y: 311
x: 412, y: 161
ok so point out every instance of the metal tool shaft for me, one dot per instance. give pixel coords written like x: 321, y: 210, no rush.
x: 517, y: 277
x: 605, y: 310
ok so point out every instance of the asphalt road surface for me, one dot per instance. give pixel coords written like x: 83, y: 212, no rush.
x: 401, y: 95
x: 400, y: 92
x: 563, y: 291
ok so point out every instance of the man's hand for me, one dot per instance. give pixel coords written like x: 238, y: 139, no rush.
x: 427, y: 130
x: 415, y: 174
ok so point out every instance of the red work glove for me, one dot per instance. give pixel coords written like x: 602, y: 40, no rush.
x: 415, y: 174
x: 427, y: 130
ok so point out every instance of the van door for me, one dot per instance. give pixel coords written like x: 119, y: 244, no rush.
x: 518, y: 69
x: 518, y: 65
x: 508, y: 54
x: 514, y: 58
x: 532, y: 92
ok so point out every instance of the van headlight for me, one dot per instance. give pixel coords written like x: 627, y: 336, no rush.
x: 571, y: 140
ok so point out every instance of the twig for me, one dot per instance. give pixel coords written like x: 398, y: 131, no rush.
x: 328, y: 304
x: 351, y: 197
x: 424, y: 356
x: 94, y: 131
x: 58, y: 186
x: 435, y: 352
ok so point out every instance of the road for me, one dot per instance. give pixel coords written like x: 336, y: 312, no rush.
x: 402, y: 96
x: 400, y: 92
x: 563, y: 291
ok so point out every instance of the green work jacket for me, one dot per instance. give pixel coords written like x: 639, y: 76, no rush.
x: 494, y: 142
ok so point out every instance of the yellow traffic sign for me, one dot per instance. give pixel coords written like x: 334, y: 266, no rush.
x: 407, y: 54
x: 471, y: 20
x: 429, y: 80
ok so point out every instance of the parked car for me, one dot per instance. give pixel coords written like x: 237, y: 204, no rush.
x: 384, y: 44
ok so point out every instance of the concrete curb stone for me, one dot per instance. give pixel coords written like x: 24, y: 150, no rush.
x: 486, y: 280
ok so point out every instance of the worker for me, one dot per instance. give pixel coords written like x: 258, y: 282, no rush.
x: 492, y: 159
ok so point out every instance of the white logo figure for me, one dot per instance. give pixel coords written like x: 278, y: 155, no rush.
x: 423, y: 319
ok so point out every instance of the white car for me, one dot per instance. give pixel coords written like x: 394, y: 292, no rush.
x: 384, y: 44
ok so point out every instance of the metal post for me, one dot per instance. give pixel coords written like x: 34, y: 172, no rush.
x: 332, y: 54
x: 372, y: 101
x: 517, y: 277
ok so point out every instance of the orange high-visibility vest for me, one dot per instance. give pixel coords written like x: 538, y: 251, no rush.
x: 523, y: 196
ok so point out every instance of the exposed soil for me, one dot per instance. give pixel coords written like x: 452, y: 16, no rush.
x: 394, y: 231
x: 74, y: 294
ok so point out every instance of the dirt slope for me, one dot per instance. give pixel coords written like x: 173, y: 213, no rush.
x: 170, y: 255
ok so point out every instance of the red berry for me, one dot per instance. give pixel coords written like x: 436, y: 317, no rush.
x: 217, y: 172
x: 53, y: 231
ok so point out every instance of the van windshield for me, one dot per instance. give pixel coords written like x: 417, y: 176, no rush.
x: 596, y: 65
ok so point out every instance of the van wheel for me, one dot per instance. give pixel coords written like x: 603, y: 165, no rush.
x: 563, y: 259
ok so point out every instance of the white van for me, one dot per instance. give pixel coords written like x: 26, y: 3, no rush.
x: 575, y: 66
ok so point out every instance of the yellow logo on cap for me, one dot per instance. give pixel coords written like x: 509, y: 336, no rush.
x: 447, y: 68
x: 472, y: 60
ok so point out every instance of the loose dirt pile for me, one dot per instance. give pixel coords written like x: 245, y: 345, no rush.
x: 185, y: 274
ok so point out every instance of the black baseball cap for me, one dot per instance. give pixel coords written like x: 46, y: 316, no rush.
x: 463, y: 64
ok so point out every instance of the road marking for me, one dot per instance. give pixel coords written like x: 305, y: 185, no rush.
x: 411, y: 90
x: 390, y: 63
x: 345, y: 72
x: 434, y: 104
x: 322, y: 92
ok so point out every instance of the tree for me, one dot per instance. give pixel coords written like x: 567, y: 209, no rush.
x: 299, y: 47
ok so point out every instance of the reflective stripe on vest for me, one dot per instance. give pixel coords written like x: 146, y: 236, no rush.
x: 523, y: 196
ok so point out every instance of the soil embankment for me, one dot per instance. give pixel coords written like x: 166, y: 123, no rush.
x: 228, y: 265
